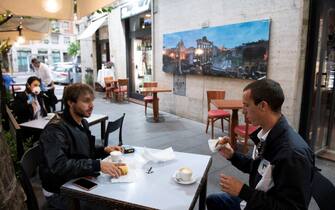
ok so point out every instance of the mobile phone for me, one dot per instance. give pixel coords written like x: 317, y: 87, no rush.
x: 84, y: 184
x: 128, y: 149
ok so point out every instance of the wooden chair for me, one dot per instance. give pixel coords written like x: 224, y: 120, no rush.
x: 216, y: 114
x: 16, y: 132
x: 148, y: 98
x: 244, y: 131
x: 122, y: 89
x: 109, y: 86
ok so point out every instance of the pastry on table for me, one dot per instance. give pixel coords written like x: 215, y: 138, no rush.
x: 123, y: 169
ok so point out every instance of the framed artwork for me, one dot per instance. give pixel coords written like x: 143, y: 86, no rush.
x: 237, y: 51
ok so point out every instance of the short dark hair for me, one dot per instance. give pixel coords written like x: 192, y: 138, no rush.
x: 267, y: 90
x: 74, y: 91
x: 34, y: 60
x: 31, y: 80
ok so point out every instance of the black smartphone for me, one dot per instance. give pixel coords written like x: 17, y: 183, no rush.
x: 85, y: 184
x: 128, y: 149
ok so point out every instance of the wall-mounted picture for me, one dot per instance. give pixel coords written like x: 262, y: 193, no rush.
x: 237, y: 51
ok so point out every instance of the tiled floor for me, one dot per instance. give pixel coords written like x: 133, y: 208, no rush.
x: 182, y: 134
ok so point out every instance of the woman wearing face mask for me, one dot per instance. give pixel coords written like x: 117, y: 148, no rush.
x: 29, y: 105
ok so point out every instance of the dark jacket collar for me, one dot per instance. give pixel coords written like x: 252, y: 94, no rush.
x: 67, y: 117
x: 275, y: 132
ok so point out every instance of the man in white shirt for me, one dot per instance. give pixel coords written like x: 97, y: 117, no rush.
x: 44, y: 73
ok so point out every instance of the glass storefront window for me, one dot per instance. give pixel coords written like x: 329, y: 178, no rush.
x: 55, y: 56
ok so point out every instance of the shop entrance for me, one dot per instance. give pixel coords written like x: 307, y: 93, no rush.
x: 317, y: 121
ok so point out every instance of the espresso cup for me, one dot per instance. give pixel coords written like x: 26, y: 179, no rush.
x: 185, y: 174
x: 116, y: 156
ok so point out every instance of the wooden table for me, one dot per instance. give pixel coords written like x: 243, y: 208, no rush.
x: 155, y: 105
x: 157, y: 190
x: 41, y: 123
x: 234, y: 105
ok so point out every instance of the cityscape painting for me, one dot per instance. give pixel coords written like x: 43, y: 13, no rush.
x: 237, y: 51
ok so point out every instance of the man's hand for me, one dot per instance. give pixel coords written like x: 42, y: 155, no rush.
x: 224, y: 147
x: 111, y: 168
x: 110, y: 149
x: 230, y: 185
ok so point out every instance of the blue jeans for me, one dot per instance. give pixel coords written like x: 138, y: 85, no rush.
x: 223, y: 201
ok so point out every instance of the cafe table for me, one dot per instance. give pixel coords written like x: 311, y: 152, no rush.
x: 234, y: 105
x: 41, y: 123
x: 155, y: 190
x: 155, y: 104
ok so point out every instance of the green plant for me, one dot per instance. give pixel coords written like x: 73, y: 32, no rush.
x: 74, y: 48
x: 13, y: 152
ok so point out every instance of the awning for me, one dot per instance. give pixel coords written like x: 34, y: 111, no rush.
x: 92, y: 28
x: 55, y: 9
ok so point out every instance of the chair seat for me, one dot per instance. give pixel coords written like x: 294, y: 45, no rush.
x: 240, y: 129
x: 149, y: 98
x: 216, y: 113
x: 120, y: 90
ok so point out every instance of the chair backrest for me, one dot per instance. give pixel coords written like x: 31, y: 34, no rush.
x: 13, y: 125
x: 323, y: 192
x: 29, y: 165
x: 122, y: 82
x: 62, y: 105
x: 149, y: 84
x: 113, y: 126
x: 108, y: 81
x: 214, y: 94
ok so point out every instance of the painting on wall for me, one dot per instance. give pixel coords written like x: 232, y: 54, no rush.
x: 236, y: 51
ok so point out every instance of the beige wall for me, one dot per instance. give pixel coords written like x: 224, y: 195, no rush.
x: 286, y: 56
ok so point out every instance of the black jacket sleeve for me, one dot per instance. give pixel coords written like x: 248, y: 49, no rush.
x: 55, y: 151
x: 242, y: 162
x: 22, y: 110
x: 291, y: 178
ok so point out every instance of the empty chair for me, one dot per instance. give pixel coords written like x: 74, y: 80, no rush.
x: 16, y: 132
x: 122, y: 89
x: 109, y: 86
x: 29, y: 166
x: 216, y: 114
x: 244, y: 131
x: 148, y: 98
x: 323, y: 192
x: 113, y: 126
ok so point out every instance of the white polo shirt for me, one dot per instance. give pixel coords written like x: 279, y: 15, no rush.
x: 44, y: 73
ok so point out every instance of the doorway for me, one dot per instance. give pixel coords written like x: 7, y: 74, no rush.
x: 140, y: 52
x: 317, y: 122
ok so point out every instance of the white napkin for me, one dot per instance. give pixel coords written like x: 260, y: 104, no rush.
x: 212, y: 144
x: 158, y: 156
x: 130, y: 177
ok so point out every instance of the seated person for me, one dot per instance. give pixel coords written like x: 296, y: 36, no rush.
x: 8, y: 80
x: 29, y: 105
x: 68, y: 150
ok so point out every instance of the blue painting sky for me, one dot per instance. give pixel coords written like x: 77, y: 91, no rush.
x: 228, y: 36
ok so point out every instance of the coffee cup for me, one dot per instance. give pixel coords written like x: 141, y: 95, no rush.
x: 116, y: 156
x: 184, y: 174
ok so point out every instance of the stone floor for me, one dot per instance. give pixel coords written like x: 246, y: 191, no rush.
x: 181, y: 134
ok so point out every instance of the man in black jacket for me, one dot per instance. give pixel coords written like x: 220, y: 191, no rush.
x: 67, y: 148
x: 282, y: 165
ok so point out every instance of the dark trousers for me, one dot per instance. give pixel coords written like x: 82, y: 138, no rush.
x: 223, y: 201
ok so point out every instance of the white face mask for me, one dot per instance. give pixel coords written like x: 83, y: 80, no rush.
x: 36, y: 90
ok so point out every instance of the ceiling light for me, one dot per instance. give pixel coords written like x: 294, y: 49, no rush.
x: 52, y: 6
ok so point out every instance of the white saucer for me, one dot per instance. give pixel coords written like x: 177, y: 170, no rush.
x: 193, y: 179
